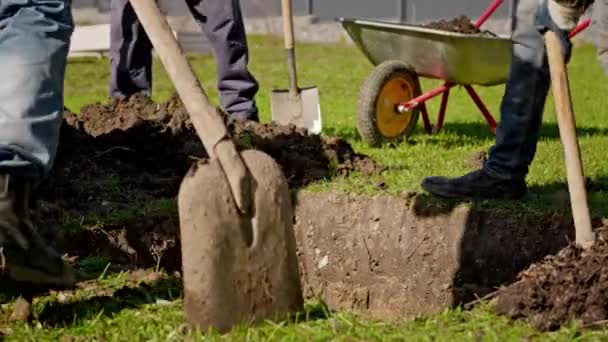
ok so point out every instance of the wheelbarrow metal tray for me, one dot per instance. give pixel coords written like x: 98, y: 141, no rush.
x: 476, y: 59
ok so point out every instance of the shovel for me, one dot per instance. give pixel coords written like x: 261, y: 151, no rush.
x: 235, y: 212
x: 295, y: 106
x: 567, y: 132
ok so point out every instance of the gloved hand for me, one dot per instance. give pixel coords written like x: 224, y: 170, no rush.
x: 556, y: 16
x: 561, y: 16
x: 566, y: 13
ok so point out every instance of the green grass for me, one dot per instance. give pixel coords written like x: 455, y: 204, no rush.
x: 115, y: 307
x: 339, y: 71
x: 132, y: 314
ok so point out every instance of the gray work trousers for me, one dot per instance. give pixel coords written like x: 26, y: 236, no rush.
x: 222, y: 23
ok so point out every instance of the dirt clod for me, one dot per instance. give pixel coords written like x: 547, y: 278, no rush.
x: 572, y: 285
x: 22, y: 310
x: 462, y: 24
x: 476, y: 160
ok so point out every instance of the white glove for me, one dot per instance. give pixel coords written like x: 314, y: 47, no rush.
x: 565, y: 14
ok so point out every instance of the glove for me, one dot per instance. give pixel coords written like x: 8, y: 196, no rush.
x: 566, y: 13
x: 553, y: 15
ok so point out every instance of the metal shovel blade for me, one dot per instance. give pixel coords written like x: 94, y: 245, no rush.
x: 235, y: 211
x: 237, y: 269
x: 301, y: 110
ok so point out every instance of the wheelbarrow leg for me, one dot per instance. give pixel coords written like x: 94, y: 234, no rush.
x: 444, y: 90
x: 482, y: 108
x: 428, y: 127
x: 442, y: 108
x: 421, y: 100
x: 425, y: 118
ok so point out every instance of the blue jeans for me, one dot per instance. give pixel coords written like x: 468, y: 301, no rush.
x: 526, y: 91
x: 34, y: 42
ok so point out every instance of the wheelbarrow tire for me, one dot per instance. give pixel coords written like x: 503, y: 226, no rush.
x: 390, y: 83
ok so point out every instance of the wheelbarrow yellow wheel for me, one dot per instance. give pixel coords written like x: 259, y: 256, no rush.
x: 378, y: 120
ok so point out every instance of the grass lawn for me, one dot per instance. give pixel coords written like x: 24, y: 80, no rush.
x: 338, y: 71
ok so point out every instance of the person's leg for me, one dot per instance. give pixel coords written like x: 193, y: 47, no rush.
x: 524, y: 100
x: 34, y: 42
x: 130, y: 53
x: 503, y: 175
x: 222, y: 22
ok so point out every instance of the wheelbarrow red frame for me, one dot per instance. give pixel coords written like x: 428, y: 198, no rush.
x: 444, y: 89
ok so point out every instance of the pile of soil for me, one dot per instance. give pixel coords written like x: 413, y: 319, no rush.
x: 136, y: 149
x: 476, y: 160
x: 125, y: 152
x: 305, y: 158
x: 462, y: 24
x: 123, y: 155
x: 572, y: 285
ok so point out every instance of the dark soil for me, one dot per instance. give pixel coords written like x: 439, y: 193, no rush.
x: 120, y: 154
x: 305, y: 158
x: 150, y: 146
x: 114, y: 159
x: 572, y: 285
x: 462, y: 24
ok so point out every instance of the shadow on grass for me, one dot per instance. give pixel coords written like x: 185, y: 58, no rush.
x: 58, y: 314
x: 480, y: 130
x: 61, y: 314
x: 317, y: 311
x: 500, y: 240
x: 11, y: 290
x: 458, y: 133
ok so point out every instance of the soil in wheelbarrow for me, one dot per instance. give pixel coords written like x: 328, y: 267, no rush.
x: 572, y: 285
x: 462, y: 24
x: 121, y: 156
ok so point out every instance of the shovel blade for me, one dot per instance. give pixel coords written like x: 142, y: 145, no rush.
x: 303, y: 110
x: 237, y: 269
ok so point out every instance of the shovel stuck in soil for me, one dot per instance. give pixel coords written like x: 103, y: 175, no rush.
x: 235, y: 212
x: 567, y: 131
x: 296, y: 106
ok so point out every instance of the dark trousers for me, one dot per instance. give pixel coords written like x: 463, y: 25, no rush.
x: 523, y: 103
x: 222, y: 23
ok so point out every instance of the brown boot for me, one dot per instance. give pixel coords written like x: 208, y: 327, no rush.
x: 24, y: 256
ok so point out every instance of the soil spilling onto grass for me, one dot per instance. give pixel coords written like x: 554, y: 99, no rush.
x: 572, y: 285
x: 462, y: 24
x: 123, y: 155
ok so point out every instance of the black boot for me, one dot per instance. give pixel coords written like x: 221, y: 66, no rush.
x: 24, y: 255
x: 477, y: 184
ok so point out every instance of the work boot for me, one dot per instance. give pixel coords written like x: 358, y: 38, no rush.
x: 24, y: 255
x: 477, y: 184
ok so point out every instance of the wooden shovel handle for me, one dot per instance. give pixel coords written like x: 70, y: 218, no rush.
x: 206, y: 118
x: 567, y: 131
x: 287, y: 11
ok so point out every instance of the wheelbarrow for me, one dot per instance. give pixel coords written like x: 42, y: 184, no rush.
x: 391, y: 99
